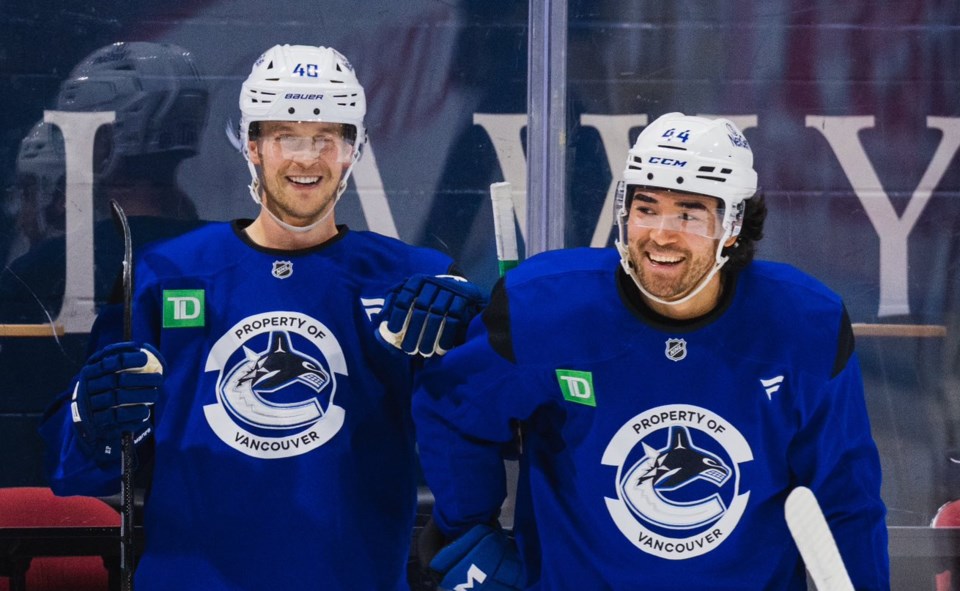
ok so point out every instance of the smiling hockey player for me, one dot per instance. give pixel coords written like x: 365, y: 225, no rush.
x: 282, y: 448
x: 671, y: 393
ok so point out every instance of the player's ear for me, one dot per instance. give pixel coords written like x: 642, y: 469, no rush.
x: 253, y: 148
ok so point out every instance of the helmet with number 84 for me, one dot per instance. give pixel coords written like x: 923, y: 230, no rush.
x: 693, y: 155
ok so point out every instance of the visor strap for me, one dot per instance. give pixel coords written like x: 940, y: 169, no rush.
x: 625, y: 263
x: 255, y: 193
x: 699, y: 288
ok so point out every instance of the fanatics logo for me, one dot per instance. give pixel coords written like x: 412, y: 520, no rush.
x: 282, y: 269
x: 676, y: 349
x: 372, y: 306
x: 771, y: 386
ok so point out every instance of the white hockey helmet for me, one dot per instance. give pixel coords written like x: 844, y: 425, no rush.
x: 156, y: 91
x: 689, y: 154
x: 302, y: 83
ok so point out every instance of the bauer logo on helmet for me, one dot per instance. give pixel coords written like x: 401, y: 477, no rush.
x: 303, y: 97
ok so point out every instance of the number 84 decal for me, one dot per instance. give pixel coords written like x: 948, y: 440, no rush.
x: 671, y: 133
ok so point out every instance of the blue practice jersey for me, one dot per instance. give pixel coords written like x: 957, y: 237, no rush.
x: 656, y: 454
x: 283, y: 445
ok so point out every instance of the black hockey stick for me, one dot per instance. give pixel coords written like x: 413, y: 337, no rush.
x: 126, y: 447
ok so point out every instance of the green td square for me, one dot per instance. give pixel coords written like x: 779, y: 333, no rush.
x: 577, y: 386
x: 183, y: 308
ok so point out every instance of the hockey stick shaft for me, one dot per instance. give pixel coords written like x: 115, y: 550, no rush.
x: 504, y: 227
x: 127, y: 553
x: 508, y: 257
x: 812, y: 535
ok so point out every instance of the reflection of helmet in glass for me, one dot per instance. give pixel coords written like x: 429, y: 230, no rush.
x: 689, y: 154
x: 303, y: 83
x: 156, y: 91
x: 38, y: 197
x: 41, y: 153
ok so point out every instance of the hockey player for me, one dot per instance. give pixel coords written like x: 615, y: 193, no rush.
x: 670, y: 394
x: 278, y: 432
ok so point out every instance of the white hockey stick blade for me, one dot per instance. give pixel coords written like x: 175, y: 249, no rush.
x: 504, y: 227
x: 816, y: 544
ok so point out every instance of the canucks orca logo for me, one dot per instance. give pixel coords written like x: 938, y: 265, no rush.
x: 276, y: 385
x: 281, y: 365
x: 678, y: 489
x: 672, y: 468
x: 253, y: 380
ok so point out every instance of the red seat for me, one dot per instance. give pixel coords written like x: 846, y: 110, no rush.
x: 947, y: 516
x: 38, y: 507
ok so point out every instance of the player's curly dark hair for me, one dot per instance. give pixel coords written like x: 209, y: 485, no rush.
x: 743, y: 250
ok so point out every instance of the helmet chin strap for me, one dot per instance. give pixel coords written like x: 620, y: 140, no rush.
x: 628, y: 267
x: 255, y: 193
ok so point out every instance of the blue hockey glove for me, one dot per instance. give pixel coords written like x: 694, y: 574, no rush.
x: 483, y: 559
x: 429, y: 315
x: 113, y: 395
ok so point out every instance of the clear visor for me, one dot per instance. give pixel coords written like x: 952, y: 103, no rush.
x: 328, y: 145
x: 690, y: 214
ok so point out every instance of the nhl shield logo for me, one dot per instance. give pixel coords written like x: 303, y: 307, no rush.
x: 282, y: 269
x: 676, y: 349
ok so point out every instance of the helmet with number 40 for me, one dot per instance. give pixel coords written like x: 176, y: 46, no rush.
x: 303, y: 83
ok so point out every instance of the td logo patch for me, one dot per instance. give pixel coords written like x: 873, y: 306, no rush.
x: 577, y: 386
x: 677, y: 480
x: 183, y: 308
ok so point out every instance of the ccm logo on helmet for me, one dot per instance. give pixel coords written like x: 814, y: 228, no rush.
x: 667, y: 161
x: 303, y: 97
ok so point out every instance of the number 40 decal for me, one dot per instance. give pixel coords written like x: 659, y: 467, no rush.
x: 308, y: 70
x: 683, y: 136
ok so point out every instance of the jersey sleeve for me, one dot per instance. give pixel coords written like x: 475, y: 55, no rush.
x: 466, y: 406
x: 835, y: 455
